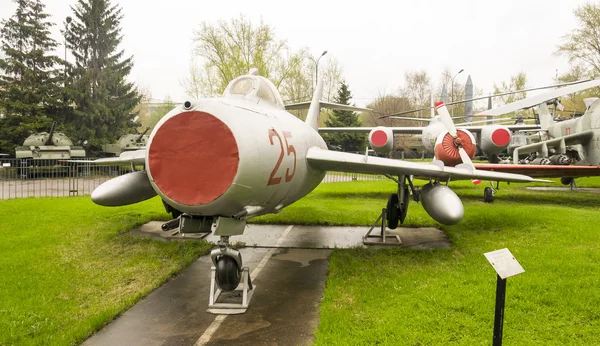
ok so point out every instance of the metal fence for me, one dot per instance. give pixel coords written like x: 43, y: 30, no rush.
x: 340, y: 177
x: 51, y: 178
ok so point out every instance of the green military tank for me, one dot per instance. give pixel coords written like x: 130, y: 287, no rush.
x: 128, y: 142
x: 48, y: 146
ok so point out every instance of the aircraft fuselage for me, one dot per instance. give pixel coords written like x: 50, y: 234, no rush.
x: 228, y: 156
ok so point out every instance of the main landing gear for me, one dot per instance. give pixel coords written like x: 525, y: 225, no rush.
x: 489, y: 192
x: 569, y: 181
x: 395, y: 211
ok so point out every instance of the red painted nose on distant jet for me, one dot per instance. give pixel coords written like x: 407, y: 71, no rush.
x: 193, y: 158
x: 501, y: 137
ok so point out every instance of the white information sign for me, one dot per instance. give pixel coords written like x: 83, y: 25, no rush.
x: 6, y: 164
x: 504, y: 263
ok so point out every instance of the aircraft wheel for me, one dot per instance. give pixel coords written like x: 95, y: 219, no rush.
x: 392, y: 211
x: 566, y: 180
x: 228, y: 273
x: 488, y: 195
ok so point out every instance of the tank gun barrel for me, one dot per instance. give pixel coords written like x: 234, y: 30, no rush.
x: 49, y: 140
x: 142, y: 134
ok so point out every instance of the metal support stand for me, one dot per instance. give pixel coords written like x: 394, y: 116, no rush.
x: 383, y: 237
x: 243, y: 295
x: 499, y: 314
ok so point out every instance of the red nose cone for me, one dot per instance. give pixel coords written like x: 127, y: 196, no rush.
x: 447, y: 151
x: 379, y: 138
x: 501, y: 137
x: 193, y: 158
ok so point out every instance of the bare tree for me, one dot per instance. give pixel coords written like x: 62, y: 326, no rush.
x: 417, y: 88
x: 573, y: 103
x: 517, y: 82
x: 228, y: 49
x: 582, y: 45
x: 387, y: 104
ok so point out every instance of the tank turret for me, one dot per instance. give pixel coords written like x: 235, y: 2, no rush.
x: 128, y: 142
x: 48, y: 146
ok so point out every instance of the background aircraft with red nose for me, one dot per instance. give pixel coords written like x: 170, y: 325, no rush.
x: 218, y: 162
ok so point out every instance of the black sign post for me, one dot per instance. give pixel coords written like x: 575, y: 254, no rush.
x: 506, y: 266
x: 499, y: 315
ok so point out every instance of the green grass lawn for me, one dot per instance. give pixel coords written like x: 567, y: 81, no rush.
x: 439, y: 297
x: 67, y: 268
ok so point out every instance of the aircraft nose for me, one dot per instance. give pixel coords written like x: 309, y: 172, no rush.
x: 501, y: 137
x: 193, y: 158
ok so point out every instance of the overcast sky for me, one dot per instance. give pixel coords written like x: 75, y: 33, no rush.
x: 375, y: 41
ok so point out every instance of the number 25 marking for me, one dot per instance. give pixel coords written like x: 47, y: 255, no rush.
x: 290, y: 150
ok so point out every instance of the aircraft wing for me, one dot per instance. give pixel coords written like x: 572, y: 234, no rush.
x: 396, y: 130
x: 328, y: 160
x: 513, y: 128
x: 545, y: 171
x: 137, y: 157
x: 417, y: 129
x: 541, y: 98
x: 328, y: 105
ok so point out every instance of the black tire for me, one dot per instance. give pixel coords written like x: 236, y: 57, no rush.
x: 392, y: 211
x: 566, y: 180
x: 228, y: 273
x: 488, y: 195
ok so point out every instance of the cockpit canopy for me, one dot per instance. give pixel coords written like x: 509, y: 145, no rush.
x: 254, y: 87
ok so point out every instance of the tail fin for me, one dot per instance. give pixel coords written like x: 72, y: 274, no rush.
x: 545, y: 116
x: 314, y: 111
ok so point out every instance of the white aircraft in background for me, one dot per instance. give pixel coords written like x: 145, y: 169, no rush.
x: 493, y: 138
x: 221, y: 161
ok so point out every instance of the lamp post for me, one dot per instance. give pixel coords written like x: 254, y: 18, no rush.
x: 68, y: 21
x: 452, y: 92
x: 317, y: 67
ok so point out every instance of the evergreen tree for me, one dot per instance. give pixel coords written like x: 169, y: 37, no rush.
x: 30, y: 83
x: 104, y: 100
x: 344, y: 141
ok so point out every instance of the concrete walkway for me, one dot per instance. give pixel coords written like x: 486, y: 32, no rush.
x: 294, y: 262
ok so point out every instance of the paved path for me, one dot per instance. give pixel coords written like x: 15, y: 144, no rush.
x: 563, y: 189
x: 284, y: 309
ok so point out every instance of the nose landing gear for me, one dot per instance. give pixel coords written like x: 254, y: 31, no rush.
x: 228, y: 264
x: 226, y: 274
